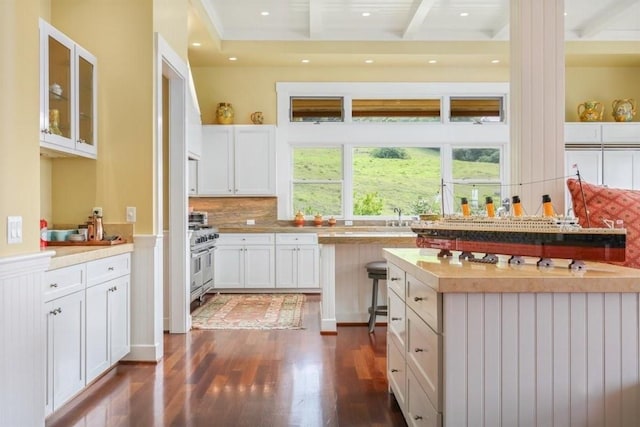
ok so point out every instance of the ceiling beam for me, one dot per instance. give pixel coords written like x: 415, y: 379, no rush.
x: 599, y: 20
x: 210, y: 20
x: 421, y: 11
x: 315, y: 19
x: 501, y: 32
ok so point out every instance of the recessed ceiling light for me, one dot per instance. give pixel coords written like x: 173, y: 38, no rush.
x: 305, y: 61
x: 196, y: 44
x: 233, y: 58
x: 464, y: 13
x: 495, y: 61
x: 432, y: 61
x: 368, y: 61
x: 565, y: 14
x: 265, y: 13
x: 366, y: 13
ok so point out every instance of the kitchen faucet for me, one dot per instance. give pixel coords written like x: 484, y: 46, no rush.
x: 399, y: 211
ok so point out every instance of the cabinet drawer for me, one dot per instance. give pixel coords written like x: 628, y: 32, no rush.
x: 246, y: 239
x: 104, y: 269
x: 396, y: 280
x: 397, y: 324
x: 397, y: 373
x: 421, y: 412
x: 424, y: 356
x: 425, y: 301
x: 296, y: 238
x: 63, y: 281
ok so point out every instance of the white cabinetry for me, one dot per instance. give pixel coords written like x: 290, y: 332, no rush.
x: 414, y: 348
x: 108, y: 322
x: 87, y: 310
x: 68, y: 101
x: 194, y: 122
x: 65, y: 334
x: 237, y: 161
x: 193, y: 177
x: 297, y: 260
x: 245, y: 261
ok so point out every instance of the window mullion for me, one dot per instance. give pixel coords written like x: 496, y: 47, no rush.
x: 347, y: 174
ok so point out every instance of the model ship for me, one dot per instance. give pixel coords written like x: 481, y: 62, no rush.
x: 546, y: 237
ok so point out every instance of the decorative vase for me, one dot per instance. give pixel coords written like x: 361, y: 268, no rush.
x: 623, y: 110
x: 257, y: 118
x: 331, y: 221
x: 298, y: 221
x: 224, y: 113
x: 317, y: 220
x: 590, y: 111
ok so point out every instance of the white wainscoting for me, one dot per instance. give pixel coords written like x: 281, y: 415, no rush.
x: 22, y: 340
x: 541, y: 359
x: 147, y: 299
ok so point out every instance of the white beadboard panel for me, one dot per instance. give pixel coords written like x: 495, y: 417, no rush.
x: 454, y: 362
x: 147, y: 290
x: 328, y: 285
x: 541, y: 359
x: 22, y: 340
x: 475, y: 365
x: 561, y: 351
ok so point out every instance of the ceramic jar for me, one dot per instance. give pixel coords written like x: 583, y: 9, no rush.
x: 331, y: 221
x: 317, y: 220
x: 224, y: 113
x: 623, y: 110
x: 257, y: 118
x: 298, y: 221
x: 590, y: 111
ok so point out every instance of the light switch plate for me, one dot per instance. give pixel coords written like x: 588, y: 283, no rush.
x: 14, y: 229
x: 131, y: 214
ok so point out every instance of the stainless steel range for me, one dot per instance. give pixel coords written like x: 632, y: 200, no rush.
x: 202, y: 243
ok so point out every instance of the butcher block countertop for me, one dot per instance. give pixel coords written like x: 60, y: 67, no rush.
x: 65, y: 256
x: 450, y: 275
x: 338, y: 234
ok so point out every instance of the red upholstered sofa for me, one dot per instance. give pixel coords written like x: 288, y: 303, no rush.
x: 611, y: 204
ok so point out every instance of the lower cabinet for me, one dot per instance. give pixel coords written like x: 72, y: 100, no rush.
x: 87, y: 311
x: 297, y: 260
x: 65, y: 365
x: 414, y: 348
x: 245, y: 261
x: 107, y: 325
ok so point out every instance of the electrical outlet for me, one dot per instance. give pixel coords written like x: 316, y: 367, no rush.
x: 251, y: 222
x: 14, y: 229
x: 97, y: 211
x: 131, y: 214
x: 347, y: 222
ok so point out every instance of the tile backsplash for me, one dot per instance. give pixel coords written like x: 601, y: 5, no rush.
x: 230, y: 211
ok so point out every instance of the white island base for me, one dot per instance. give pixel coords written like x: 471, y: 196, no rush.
x: 553, y: 348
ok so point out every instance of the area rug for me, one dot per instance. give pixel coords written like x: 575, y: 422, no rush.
x: 250, y: 311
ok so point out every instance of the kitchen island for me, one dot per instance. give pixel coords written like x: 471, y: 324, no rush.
x: 503, y: 345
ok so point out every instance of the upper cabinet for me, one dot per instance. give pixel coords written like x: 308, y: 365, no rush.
x: 194, y: 123
x: 68, y: 104
x: 237, y: 160
x: 602, y: 133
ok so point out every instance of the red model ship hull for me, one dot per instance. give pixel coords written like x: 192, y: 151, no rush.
x: 607, y: 253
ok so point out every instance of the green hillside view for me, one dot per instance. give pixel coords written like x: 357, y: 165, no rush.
x: 382, y: 184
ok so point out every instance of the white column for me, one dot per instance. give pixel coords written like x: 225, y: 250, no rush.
x: 537, y: 101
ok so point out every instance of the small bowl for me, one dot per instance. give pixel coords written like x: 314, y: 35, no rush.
x: 59, y: 235
x: 76, y: 237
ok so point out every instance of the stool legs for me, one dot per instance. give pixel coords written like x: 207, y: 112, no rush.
x: 374, y: 306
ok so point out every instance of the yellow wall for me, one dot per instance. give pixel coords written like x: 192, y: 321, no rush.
x: 251, y: 89
x: 170, y: 20
x: 122, y: 39
x: 603, y: 84
x: 19, y: 111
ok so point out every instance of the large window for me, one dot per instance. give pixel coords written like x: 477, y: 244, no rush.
x: 381, y: 180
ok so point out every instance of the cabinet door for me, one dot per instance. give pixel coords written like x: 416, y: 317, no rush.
x: 259, y: 264
x: 254, y: 163
x: 86, y: 106
x: 286, y: 266
x: 58, y: 75
x: 308, y: 266
x: 618, y: 168
x: 229, y: 262
x: 215, y: 174
x: 97, y: 330
x: 65, y: 333
x: 589, y: 162
x: 119, y: 320
x: 193, y: 177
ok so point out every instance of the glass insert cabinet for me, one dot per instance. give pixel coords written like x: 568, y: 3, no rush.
x: 68, y: 105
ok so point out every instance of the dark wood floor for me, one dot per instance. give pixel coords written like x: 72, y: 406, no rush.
x: 248, y: 378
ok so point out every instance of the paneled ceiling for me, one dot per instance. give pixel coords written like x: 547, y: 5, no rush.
x: 397, y: 32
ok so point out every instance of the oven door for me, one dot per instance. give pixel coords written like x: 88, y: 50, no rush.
x: 207, y: 269
x: 197, y: 262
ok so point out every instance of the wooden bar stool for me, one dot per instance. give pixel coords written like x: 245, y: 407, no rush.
x: 377, y: 270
